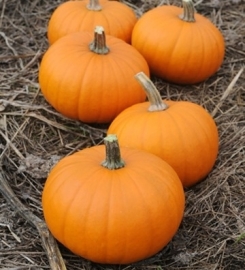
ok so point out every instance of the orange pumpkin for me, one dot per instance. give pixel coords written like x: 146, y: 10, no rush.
x: 91, y: 81
x: 115, y: 211
x: 180, y: 46
x: 180, y: 132
x: 75, y: 16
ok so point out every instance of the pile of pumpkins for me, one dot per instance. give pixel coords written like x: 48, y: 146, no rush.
x: 123, y: 201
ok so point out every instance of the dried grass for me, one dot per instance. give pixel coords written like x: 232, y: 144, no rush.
x: 33, y: 137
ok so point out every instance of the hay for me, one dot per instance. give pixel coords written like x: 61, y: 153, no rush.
x: 33, y: 136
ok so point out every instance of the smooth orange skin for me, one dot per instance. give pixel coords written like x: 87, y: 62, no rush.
x: 91, y: 87
x: 73, y: 16
x: 184, y: 135
x: 178, y: 51
x: 113, y: 216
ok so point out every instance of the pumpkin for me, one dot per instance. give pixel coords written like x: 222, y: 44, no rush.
x: 116, y: 209
x: 184, y: 48
x: 91, y: 77
x: 75, y: 16
x: 180, y: 132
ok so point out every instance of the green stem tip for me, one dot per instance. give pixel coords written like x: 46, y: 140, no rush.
x: 188, y: 11
x: 113, y: 159
x: 154, y: 97
x: 94, y: 5
x: 98, y: 45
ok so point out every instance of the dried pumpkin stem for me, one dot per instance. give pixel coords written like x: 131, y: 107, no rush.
x: 188, y: 11
x: 152, y: 93
x: 98, y: 45
x: 113, y: 159
x: 94, y: 5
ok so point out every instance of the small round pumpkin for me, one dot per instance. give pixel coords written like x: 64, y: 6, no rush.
x: 184, y: 48
x: 115, y: 210
x: 90, y: 77
x: 75, y: 16
x: 180, y: 132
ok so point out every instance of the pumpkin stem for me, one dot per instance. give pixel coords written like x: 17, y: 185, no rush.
x: 98, y: 45
x: 113, y: 159
x: 189, y: 11
x: 94, y: 5
x: 152, y: 93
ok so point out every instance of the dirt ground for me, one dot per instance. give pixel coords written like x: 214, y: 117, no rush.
x: 33, y: 137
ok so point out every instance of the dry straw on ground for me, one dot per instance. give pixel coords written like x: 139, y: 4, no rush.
x: 33, y: 137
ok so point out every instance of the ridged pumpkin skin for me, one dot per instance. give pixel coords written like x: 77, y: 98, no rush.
x: 113, y: 216
x: 73, y: 16
x: 87, y: 86
x: 178, y: 51
x: 184, y: 135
